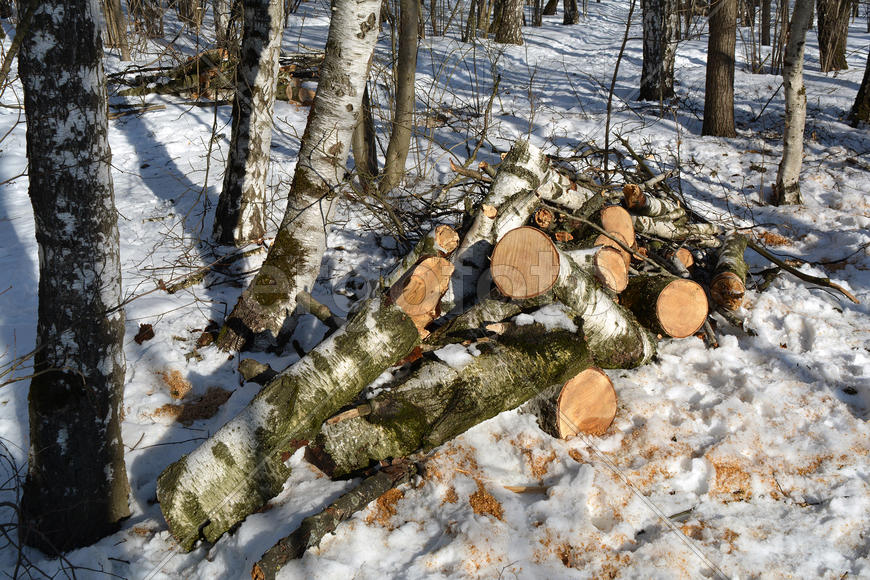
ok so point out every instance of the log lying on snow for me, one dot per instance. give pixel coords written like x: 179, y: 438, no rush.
x: 437, y: 401
x: 703, y: 235
x: 242, y: 466
x: 670, y: 306
x: 729, y: 280
x: 526, y: 263
x: 585, y: 404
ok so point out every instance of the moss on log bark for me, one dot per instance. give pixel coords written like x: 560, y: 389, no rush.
x: 438, y: 402
x: 729, y: 279
x: 241, y: 466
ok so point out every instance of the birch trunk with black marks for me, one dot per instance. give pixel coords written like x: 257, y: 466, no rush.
x: 833, y: 29
x: 861, y: 109
x: 240, y: 217
x: 661, y: 23
x: 788, y: 190
x: 719, y: 87
x: 241, y: 467
x: 437, y: 402
x: 294, y: 259
x: 509, y: 29
x: 76, y: 488
x: 402, y: 125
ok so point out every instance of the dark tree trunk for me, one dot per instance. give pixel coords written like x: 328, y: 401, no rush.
x: 550, y: 7
x: 660, y: 26
x: 833, y: 29
x: 572, y: 13
x: 510, y: 22
x: 861, y: 108
x: 719, y: 91
x: 148, y: 16
x: 403, y: 115
x: 116, y: 27
x: 537, y: 13
x: 76, y: 488
x: 241, y: 217
x: 765, y: 22
x: 365, y: 154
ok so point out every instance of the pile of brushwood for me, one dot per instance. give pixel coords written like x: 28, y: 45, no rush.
x: 550, y: 281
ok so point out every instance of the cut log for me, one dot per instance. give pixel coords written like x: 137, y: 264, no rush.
x: 441, y: 241
x: 669, y: 306
x: 685, y: 257
x: 437, y: 401
x: 612, y: 239
x: 701, y: 234
x: 419, y: 292
x: 640, y: 203
x: 242, y: 466
x: 614, y: 219
x: 606, y: 263
x: 729, y: 279
x: 315, y: 527
x: 544, y: 218
x: 614, y: 336
x: 585, y: 404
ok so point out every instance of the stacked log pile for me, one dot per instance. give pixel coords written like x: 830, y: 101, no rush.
x: 446, y: 328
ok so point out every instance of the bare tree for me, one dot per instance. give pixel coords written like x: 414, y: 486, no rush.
x: 510, y: 22
x: 241, y: 217
x: 719, y: 89
x: 861, y: 109
x: 787, y: 190
x: 661, y: 23
x: 833, y: 29
x: 191, y: 12
x: 403, y: 113
x: 76, y: 488
x: 571, y: 12
x: 765, y: 22
x: 294, y: 258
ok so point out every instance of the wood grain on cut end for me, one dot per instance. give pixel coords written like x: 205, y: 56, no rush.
x: 611, y: 269
x: 544, y: 218
x: 727, y: 290
x: 419, y: 292
x: 685, y: 257
x: 446, y: 238
x: 608, y: 240
x: 587, y: 404
x: 682, y: 308
x: 525, y: 263
x: 634, y: 196
x: 614, y: 218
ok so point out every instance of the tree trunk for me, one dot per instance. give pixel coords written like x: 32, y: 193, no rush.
x: 403, y: 114
x: 833, y: 28
x: 364, y: 145
x: 241, y: 466
x: 526, y: 263
x: 729, y: 279
x: 438, y: 402
x: 765, y: 22
x: 787, y: 190
x: 861, y: 109
x: 585, y: 404
x: 571, y: 12
x: 550, y: 7
x: 116, y: 27
x: 294, y: 259
x: 660, y: 25
x: 148, y: 16
x: 76, y: 488
x: 640, y: 203
x: 719, y: 88
x: 191, y: 12
x: 701, y: 234
x: 668, y: 306
x: 240, y: 217
x: 510, y: 22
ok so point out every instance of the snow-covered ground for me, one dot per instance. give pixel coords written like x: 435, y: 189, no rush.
x: 750, y: 460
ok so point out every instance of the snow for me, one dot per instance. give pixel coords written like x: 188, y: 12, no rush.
x: 758, y: 450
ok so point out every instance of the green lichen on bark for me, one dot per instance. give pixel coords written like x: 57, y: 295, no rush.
x: 731, y: 257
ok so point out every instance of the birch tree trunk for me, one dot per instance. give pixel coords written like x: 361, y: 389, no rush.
x: 833, y: 30
x: 788, y: 190
x: 294, y: 259
x: 719, y: 88
x: 240, y: 216
x: 76, y: 488
x: 510, y: 22
x: 661, y: 22
x: 403, y: 114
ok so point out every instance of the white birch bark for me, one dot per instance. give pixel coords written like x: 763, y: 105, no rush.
x: 240, y: 217
x: 788, y: 177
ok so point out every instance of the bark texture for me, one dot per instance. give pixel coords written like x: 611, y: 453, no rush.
x: 76, y: 488
x: 403, y: 113
x: 729, y: 279
x: 571, y: 12
x: 788, y: 190
x: 294, y: 259
x: 241, y: 466
x: 861, y: 109
x: 833, y: 17
x: 116, y: 27
x: 437, y: 402
x: 701, y: 234
x: 509, y: 29
x: 719, y: 87
x: 668, y: 306
x: 661, y: 23
x: 240, y: 217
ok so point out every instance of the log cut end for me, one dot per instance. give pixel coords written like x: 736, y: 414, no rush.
x: 614, y: 218
x: 727, y: 290
x: 681, y: 308
x: 446, y: 239
x: 587, y: 404
x: 608, y: 240
x: 634, y: 196
x: 685, y: 257
x: 525, y: 263
x: 419, y: 292
x: 610, y: 269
